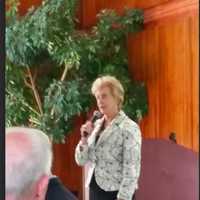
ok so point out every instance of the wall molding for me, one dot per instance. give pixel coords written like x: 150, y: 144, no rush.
x: 173, y: 8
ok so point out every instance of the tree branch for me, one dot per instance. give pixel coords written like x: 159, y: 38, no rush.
x: 27, y: 83
x: 65, y: 72
x: 35, y: 92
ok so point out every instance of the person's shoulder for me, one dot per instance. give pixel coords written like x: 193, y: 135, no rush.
x: 128, y: 123
x: 130, y: 131
x: 57, y: 190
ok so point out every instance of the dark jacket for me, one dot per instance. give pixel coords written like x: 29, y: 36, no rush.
x: 57, y: 191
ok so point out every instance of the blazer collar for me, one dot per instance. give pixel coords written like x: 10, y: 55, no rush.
x: 112, y: 127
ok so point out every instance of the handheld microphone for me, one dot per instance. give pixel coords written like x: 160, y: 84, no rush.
x: 96, y: 115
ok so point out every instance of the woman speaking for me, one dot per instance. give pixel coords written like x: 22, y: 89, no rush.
x: 112, y: 145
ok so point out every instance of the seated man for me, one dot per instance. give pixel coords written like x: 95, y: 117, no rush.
x: 28, y: 165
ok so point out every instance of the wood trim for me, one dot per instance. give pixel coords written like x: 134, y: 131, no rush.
x: 174, y: 8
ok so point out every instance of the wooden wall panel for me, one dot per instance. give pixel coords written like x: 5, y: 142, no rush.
x: 165, y: 57
x: 143, y: 55
x: 119, y: 5
x: 194, y: 45
x: 25, y: 5
x: 90, y: 8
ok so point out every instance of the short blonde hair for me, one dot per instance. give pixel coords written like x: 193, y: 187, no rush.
x: 115, y: 86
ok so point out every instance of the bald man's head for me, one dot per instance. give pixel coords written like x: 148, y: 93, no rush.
x: 28, y: 161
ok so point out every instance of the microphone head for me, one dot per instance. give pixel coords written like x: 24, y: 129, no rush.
x: 96, y: 115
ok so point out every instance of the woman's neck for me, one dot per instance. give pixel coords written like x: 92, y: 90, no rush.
x: 110, y: 117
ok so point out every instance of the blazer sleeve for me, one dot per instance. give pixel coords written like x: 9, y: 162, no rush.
x: 84, y: 153
x: 81, y: 156
x: 131, y: 163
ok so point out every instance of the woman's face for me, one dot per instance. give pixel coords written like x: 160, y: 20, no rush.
x: 106, y: 102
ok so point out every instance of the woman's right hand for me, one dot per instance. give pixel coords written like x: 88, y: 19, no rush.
x: 86, y: 129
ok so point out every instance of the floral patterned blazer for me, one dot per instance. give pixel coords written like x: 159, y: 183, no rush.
x: 116, y: 156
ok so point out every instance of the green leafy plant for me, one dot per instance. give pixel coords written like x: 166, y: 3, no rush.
x: 51, y: 65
